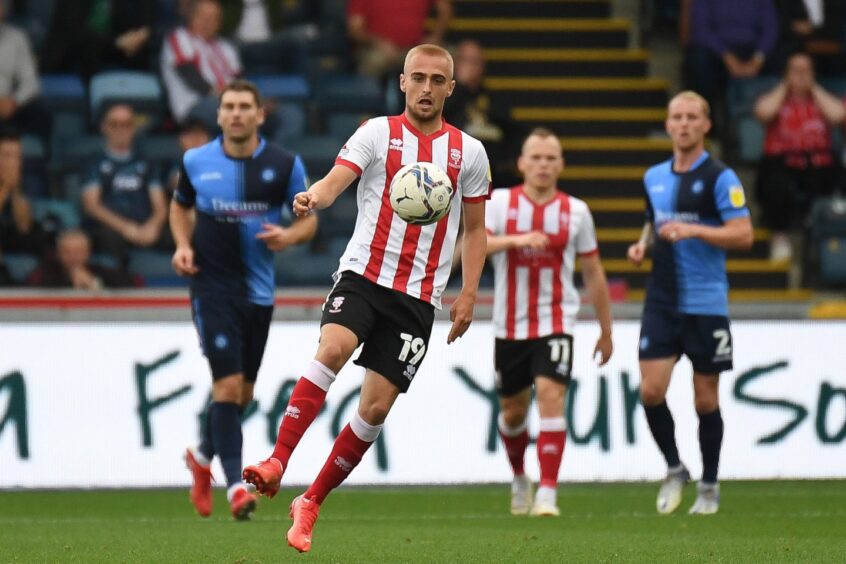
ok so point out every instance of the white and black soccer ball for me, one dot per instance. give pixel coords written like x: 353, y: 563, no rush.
x: 421, y: 193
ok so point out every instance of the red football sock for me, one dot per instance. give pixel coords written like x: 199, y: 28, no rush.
x: 303, y: 407
x: 515, y: 448
x: 345, y: 456
x: 550, y: 447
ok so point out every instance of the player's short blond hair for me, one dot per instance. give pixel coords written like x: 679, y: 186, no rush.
x: 543, y: 133
x: 429, y: 49
x: 694, y: 96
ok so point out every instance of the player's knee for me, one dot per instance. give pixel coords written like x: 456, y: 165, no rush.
x: 374, y: 413
x: 332, y: 355
x: 228, y: 389
x: 513, y: 416
x: 650, y: 394
x: 706, y: 404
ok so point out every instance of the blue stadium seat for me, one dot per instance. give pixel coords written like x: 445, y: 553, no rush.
x: 349, y: 92
x: 20, y: 265
x: 282, y: 87
x: 318, y: 153
x: 338, y: 220
x: 292, y: 122
x: 63, y: 92
x: 68, y: 126
x: 104, y: 261
x: 154, y: 267
x: 141, y: 90
x: 342, y: 125
x: 33, y: 147
x: 66, y: 212
x: 159, y: 149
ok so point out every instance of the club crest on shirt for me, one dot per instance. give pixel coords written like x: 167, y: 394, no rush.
x: 697, y: 187
x: 337, y: 302
x: 736, y: 196
x: 454, y: 158
x: 268, y: 175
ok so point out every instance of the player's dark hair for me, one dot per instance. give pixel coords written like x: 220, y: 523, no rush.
x: 241, y: 85
x: 9, y: 135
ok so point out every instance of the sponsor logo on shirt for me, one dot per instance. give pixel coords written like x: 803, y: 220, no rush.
x: 344, y: 151
x: 395, y: 144
x: 229, y: 207
x: 211, y: 176
x: 736, y: 196
x: 687, y: 217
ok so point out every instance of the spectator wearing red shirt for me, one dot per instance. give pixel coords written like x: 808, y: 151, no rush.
x: 798, y: 163
x: 382, y: 31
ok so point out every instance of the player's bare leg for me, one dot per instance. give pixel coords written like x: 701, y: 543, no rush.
x: 513, y: 432
x: 377, y: 397
x: 337, y: 343
x: 655, y: 379
x: 550, y: 443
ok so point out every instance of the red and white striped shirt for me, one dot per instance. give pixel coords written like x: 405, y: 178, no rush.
x: 534, y: 294
x: 217, y: 61
x: 385, y: 249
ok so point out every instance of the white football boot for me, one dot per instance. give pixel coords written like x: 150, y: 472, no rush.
x: 670, y: 494
x: 546, y: 503
x: 521, y: 495
x: 707, y: 499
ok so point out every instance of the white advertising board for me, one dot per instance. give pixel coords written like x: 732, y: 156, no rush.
x: 87, y: 405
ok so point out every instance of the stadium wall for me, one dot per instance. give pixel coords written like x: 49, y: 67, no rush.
x: 113, y: 405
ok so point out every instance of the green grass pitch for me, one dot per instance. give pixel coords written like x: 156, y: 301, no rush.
x: 801, y: 521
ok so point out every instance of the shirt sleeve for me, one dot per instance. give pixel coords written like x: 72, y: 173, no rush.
x: 495, y: 212
x: 91, y: 179
x: 729, y: 196
x: 299, y: 181
x: 586, y: 237
x: 185, y: 194
x: 648, y: 212
x: 475, y: 177
x: 360, y: 150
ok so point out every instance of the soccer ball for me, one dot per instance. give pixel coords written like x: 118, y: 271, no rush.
x: 421, y: 193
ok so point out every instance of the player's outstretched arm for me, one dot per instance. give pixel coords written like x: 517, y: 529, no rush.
x: 531, y: 240
x: 735, y: 234
x: 323, y: 193
x: 472, y: 262
x: 278, y: 238
x: 597, y: 288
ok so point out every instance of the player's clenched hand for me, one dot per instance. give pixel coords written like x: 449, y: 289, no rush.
x: 636, y: 253
x: 276, y: 238
x: 461, y: 315
x: 674, y: 231
x: 304, y: 202
x: 533, y: 240
x: 183, y: 261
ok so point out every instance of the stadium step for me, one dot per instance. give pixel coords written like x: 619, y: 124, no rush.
x: 546, y: 33
x: 592, y: 121
x: 614, y: 242
x: 535, y: 9
x: 619, y: 151
x: 517, y: 91
x: 616, y: 212
x: 603, y: 181
x: 742, y: 273
x: 567, y: 62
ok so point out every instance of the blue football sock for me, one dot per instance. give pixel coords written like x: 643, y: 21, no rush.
x: 206, y: 446
x: 225, y: 423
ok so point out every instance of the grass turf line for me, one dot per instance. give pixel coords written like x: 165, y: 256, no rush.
x: 800, y: 521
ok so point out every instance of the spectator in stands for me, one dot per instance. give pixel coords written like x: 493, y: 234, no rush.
x: 817, y: 27
x: 20, y: 106
x: 798, y: 162
x: 728, y: 39
x: 382, y: 31
x: 19, y: 232
x: 122, y: 195
x: 192, y: 134
x: 88, y: 36
x: 71, y: 267
x: 196, y: 64
x: 470, y: 109
x: 271, y: 35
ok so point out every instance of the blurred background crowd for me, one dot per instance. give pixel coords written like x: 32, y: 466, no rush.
x: 99, y: 98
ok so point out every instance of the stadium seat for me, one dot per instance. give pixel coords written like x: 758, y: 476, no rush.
x: 66, y: 212
x: 299, y: 266
x: 292, y: 122
x: 318, y: 153
x: 282, y: 87
x: 750, y: 139
x: 104, y: 261
x: 68, y: 126
x: 349, y: 92
x: 159, y: 149
x: 342, y: 125
x: 63, y: 92
x: 20, y: 265
x: 338, y: 220
x: 33, y: 147
x: 742, y: 93
x: 835, y: 85
x: 141, y: 90
x: 154, y: 267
